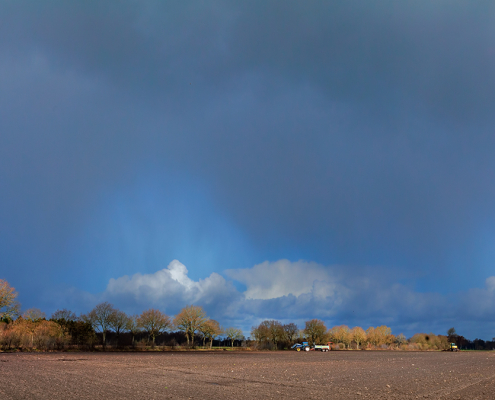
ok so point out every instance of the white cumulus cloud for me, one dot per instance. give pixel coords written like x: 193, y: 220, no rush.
x: 170, y: 286
x: 299, y: 291
x: 270, y: 280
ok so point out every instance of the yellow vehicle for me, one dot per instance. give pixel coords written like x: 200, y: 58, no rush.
x: 453, y: 347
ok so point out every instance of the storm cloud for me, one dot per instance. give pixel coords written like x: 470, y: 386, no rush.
x: 233, y: 135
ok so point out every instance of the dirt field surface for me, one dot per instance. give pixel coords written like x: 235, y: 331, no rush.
x: 248, y: 375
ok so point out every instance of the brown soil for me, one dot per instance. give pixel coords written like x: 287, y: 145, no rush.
x: 248, y: 375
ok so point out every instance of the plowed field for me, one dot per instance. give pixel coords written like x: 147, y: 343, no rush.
x: 248, y: 375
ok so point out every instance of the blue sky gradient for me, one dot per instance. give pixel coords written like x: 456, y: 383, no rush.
x: 347, y: 145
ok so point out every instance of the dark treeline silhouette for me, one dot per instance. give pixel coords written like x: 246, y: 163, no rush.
x: 476, y: 344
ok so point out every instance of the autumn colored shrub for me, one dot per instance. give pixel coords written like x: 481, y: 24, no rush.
x: 429, y: 341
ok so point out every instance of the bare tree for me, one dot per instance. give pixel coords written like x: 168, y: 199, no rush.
x: 400, y: 339
x: 268, y: 330
x: 291, y: 330
x: 260, y: 333
x: 64, y: 314
x: 33, y: 315
x: 315, y: 331
x: 154, y: 322
x: 100, y: 318
x: 118, y: 322
x: 9, y: 307
x: 233, y: 334
x: 189, y: 320
x: 132, y: 326
x: 452, y: 335
x: 275, y: 331
x: 210, y: 329
x: 31, y: 319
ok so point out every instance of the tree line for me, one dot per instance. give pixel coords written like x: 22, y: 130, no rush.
x: 271, y: 334
x: 192, y: 321
x: 32, y: 329
x: 191, y: 325
x: 64, y: 329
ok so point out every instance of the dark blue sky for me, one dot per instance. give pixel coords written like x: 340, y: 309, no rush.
x: 300, y: 160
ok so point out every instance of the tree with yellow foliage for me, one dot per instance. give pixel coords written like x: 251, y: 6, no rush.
x: 154, y: 322
x: 358, y: 335
x: 341, y: 334
x: 9, y: 307
x: 210, y: 329
x: 189, y: 320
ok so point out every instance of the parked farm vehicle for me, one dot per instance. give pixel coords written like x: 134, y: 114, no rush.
x: 301, y: 346
x: 321, y: 347
x: 453, y: 347
x: 317, y: 347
